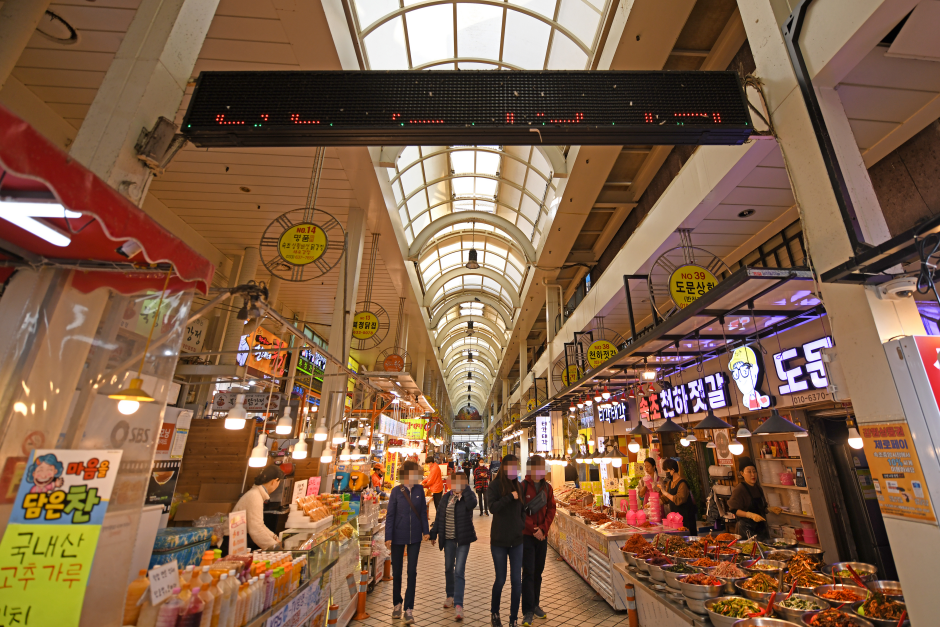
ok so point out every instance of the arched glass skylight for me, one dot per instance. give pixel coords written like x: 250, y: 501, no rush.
x: 453, y: 252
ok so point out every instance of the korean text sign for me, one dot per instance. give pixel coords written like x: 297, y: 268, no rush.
x: 895, y: 471
x: 48, y: 546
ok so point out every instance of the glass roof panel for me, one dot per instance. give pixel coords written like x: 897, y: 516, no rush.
x: 580, y: 18
x: 436, y: 27
x: 478, y: 31
x: 525, y: 41
x: 369, y: 11
x: 544, y: 7
x: 386, y: 46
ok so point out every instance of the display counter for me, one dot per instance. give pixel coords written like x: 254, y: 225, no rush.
x: 592, y: 552
x: 655, y: 607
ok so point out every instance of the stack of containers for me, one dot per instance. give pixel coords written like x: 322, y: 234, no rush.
x: 655, y: 509
x: 809, y: 532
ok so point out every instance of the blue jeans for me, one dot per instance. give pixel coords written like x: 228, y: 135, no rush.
x: 398, y: 554
x: 455, y: 561
x: 500, y: 553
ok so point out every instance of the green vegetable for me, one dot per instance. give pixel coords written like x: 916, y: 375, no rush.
x: 800, y: 604
x: 735, y: 608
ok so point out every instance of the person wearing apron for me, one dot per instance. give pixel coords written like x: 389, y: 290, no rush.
x: 748, y: 503
x: 677, y: 496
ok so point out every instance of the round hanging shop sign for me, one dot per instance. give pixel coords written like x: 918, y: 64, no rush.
x: 688, y: 283
x: 393, y: 363
x: 530, y: 404
x: 599, y: 352
x: 365, y: 325
x: 571, y: 374
x: 302, y: 244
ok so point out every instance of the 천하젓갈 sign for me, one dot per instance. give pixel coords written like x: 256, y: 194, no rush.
x: 896, y: 472
x: 302, y: 244
x: 48, y: 546
x: 689, y: 282
x: 599, y: 352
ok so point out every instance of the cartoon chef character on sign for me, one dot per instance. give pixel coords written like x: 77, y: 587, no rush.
x: 746, y: 372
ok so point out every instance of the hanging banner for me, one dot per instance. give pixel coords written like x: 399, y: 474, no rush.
x: 48, y: 546
x: 194, y: 336
x: 263, y: 357
x: 224, y: 401
x: 543, y: 434
x: 393, y: 363
x: 302, y: 244
x: 896, y: 472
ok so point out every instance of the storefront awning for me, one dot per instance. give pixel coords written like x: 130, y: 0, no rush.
x: 752, y: 303
x: 103, y: 232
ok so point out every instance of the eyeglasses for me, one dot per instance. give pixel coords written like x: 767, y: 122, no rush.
x: 741, y: 370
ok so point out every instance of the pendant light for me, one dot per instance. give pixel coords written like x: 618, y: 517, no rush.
x: 321, y: 432
x: 259, y: 454
x: 778, y: 424
x: 236, y: 416
x: 605, y: 394
x: 670, y: 427
x: 572, y: 407
x: 339, y: 437
x: 570, y: 451
x: 472, y: 263
x: 300, y: 449
x: 743, y: 432
x: 598, y: 396
x: 712, y: 421
x: 631, y: 393
x: 346, y: 454
x: 580, y: 403
x: 684, y: 441
x: 855, y: 438
x: 284, y: 424
x: 326, y: 457
x: 735, y: 447
x: 710, y: 444
x: 691, y: 437
x: 633, y: 446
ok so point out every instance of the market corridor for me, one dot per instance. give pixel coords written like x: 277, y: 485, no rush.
x: 566, y: 598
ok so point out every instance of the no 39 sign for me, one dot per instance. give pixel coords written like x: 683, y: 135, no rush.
x: 689, y: 282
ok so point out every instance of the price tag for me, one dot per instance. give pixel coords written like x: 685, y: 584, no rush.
x: 162, y: 581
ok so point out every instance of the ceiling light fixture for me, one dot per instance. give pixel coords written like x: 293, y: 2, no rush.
x: 259, y: 454
x: 284, y: 424
x: 736, y: 448
x: 237, y: 416
x: 778, y: 424
x: 25, y: 214
x: 472, y: 260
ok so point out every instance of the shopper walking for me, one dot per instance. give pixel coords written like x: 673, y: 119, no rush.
x: 504, y: 496
x: 678, y: 496
x: 454, y: 525
x: 538, y: 504
x: 406, y: 524
x: 434, y: 483
x: 481, y: 482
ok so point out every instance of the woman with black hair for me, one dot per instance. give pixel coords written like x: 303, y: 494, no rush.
x: 678, y: 496
x: 252, y: 503
x: 748, y: 503
x: 504, y: 498
x: 406, y: 524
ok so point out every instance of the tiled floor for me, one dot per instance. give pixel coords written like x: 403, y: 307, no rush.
x: 566, y: 598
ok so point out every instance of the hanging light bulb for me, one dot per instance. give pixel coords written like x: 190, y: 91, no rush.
x: 743, y: 432
x: 710, y: 444
x: 598, y: 397
x: 563, y: 462
x: 570, y: 451
x: 326, y: 457
x: 684, y: 441
x: 237, y: 415
x: 572, y: 408
x: 580, y: 403
x: 691, y: 437
x: 346, y: 454
x: 634, y: 446
x: 588, y: 401
x: 855, y: 438
x: 617, y: 462
x: 284, y: 424
x: 300, y: 449
x: 339, y: 438
x: 736, y: 448
x: 605, y: 394
x: 130, y: 398
x: 259, y: 454
x: 631, y: 393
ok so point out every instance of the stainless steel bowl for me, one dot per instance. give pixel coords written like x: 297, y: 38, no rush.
x: 763, y: 621
x: 641, y: 565
x: 778, y: 543
x: 775, y: 572
x: 881, y: 622
x: 671, y: 578
x: 795, y: 615
x: 693, y: 591
x: 656, y: 572
x: 816, y: 554
x: 630, y: 557
x: 686, y: 560
x: 861, y: 622
x: 729, y: 554
x: 818, y: 591
x: 867, y: 572
x: 762, y: 597
x: 711, y: 539
x: 884, y: 584
x: 696, y: 605
x: 781, y: 555
x: 724, y: 621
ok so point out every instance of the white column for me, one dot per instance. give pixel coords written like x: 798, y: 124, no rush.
x: 18, y: 21
x: 551, y: 310
x: 505, y: 392
x: 860, y: 321
x: 333, y: 395
x: 523, y: 362
x: 146, y: 80
x: 236, y: 327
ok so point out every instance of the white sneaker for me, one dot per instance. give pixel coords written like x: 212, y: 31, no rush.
x: 396, y: 611
x: 449, y: 603
x: 458, y: 612
x: 409, y: 617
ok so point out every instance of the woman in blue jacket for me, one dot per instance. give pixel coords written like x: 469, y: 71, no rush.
x: 406, y: 524
x: 454, y: 524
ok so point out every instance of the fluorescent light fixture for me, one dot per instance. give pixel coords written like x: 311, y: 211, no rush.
x: 25, y: 214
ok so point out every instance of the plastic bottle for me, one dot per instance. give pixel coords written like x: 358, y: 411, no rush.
x: 222, y: 600
x: 217, y: 600
x: 191, y: 613
x: 268, y: 589
x: 148, y: 613
x: 251, y: 611
x: 135, y: 590
x: 169, y: 611
x: 231, y: 598
x: 186, y: 593
x: 207, y: 558
x: 208, y: 600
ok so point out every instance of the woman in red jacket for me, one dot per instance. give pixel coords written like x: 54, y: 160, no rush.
x: 538, y: 503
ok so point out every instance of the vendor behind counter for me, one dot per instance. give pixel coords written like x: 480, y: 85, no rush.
x: 252, y: 503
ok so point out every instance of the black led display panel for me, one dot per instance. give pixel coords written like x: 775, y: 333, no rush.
x: 466, y: 107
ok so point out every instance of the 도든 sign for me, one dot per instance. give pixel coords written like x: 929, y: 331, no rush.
x: 163, y: 579
x: 687, y: 283
x: 47, y: 548
x: 896, y: 472
x: 365, y: 325
x: 237, y: 533
x: 543, y: 434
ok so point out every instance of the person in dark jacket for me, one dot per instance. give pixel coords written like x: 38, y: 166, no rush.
x: 677, y: 496
x: 406, y: 524
x: 504, y: 496
x: 481, y: 482
x: 538, y: 503
x: 454, y: 524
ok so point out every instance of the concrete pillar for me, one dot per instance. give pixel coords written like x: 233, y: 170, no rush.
x: 333, y: 395
x: 236, y: 327
x: 146, y: 80
x: 505, y: 392
x: 551, y: 310
x: 18, y: 22
x: 860, y: 321
x: 419, y: 365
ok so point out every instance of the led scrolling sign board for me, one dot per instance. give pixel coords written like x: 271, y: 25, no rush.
x: 466, y: 107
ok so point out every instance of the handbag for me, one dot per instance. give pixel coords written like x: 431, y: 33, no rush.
x: 538, y: 502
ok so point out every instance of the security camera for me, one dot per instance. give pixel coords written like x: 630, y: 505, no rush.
x: 897, y: 289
